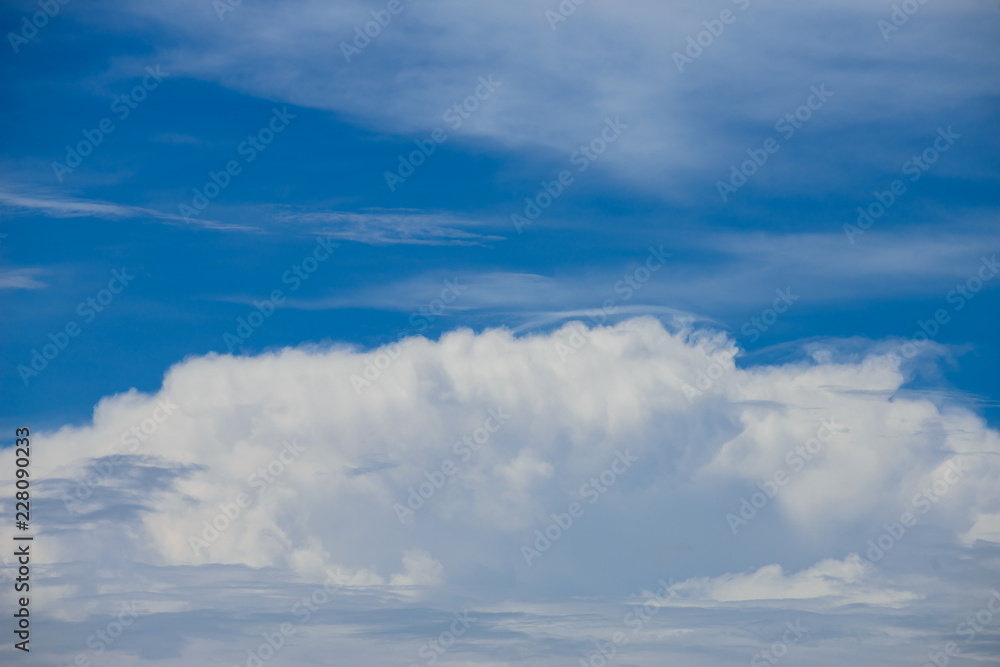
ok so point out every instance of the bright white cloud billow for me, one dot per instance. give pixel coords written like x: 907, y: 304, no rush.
x: 649, y: 437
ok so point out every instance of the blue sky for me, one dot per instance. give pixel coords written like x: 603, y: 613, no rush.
x: 642, y: 234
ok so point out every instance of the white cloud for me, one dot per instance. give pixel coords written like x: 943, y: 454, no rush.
x: 840, y: 580
x: 571, y: 412
x: 289, y: 432
x: 715, y: 273
x: 419, y: 570
x: 986, y: 528
x: 391, y: 227
x: 21, y: 279
x: 58, y: 206
x: 606, y: 60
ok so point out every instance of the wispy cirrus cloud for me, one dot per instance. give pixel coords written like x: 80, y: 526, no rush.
x: 21, y: 279
x: 45, y: 203
x: 392, y: 227
x: 705, y: 276
x: 371, y: 227
x: 678, y: 135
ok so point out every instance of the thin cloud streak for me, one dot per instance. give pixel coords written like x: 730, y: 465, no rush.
x: 52, y: 206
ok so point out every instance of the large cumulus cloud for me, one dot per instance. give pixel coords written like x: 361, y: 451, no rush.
x: 427, y: 479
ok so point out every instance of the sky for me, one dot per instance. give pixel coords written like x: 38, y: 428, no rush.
x: 523, y: 333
